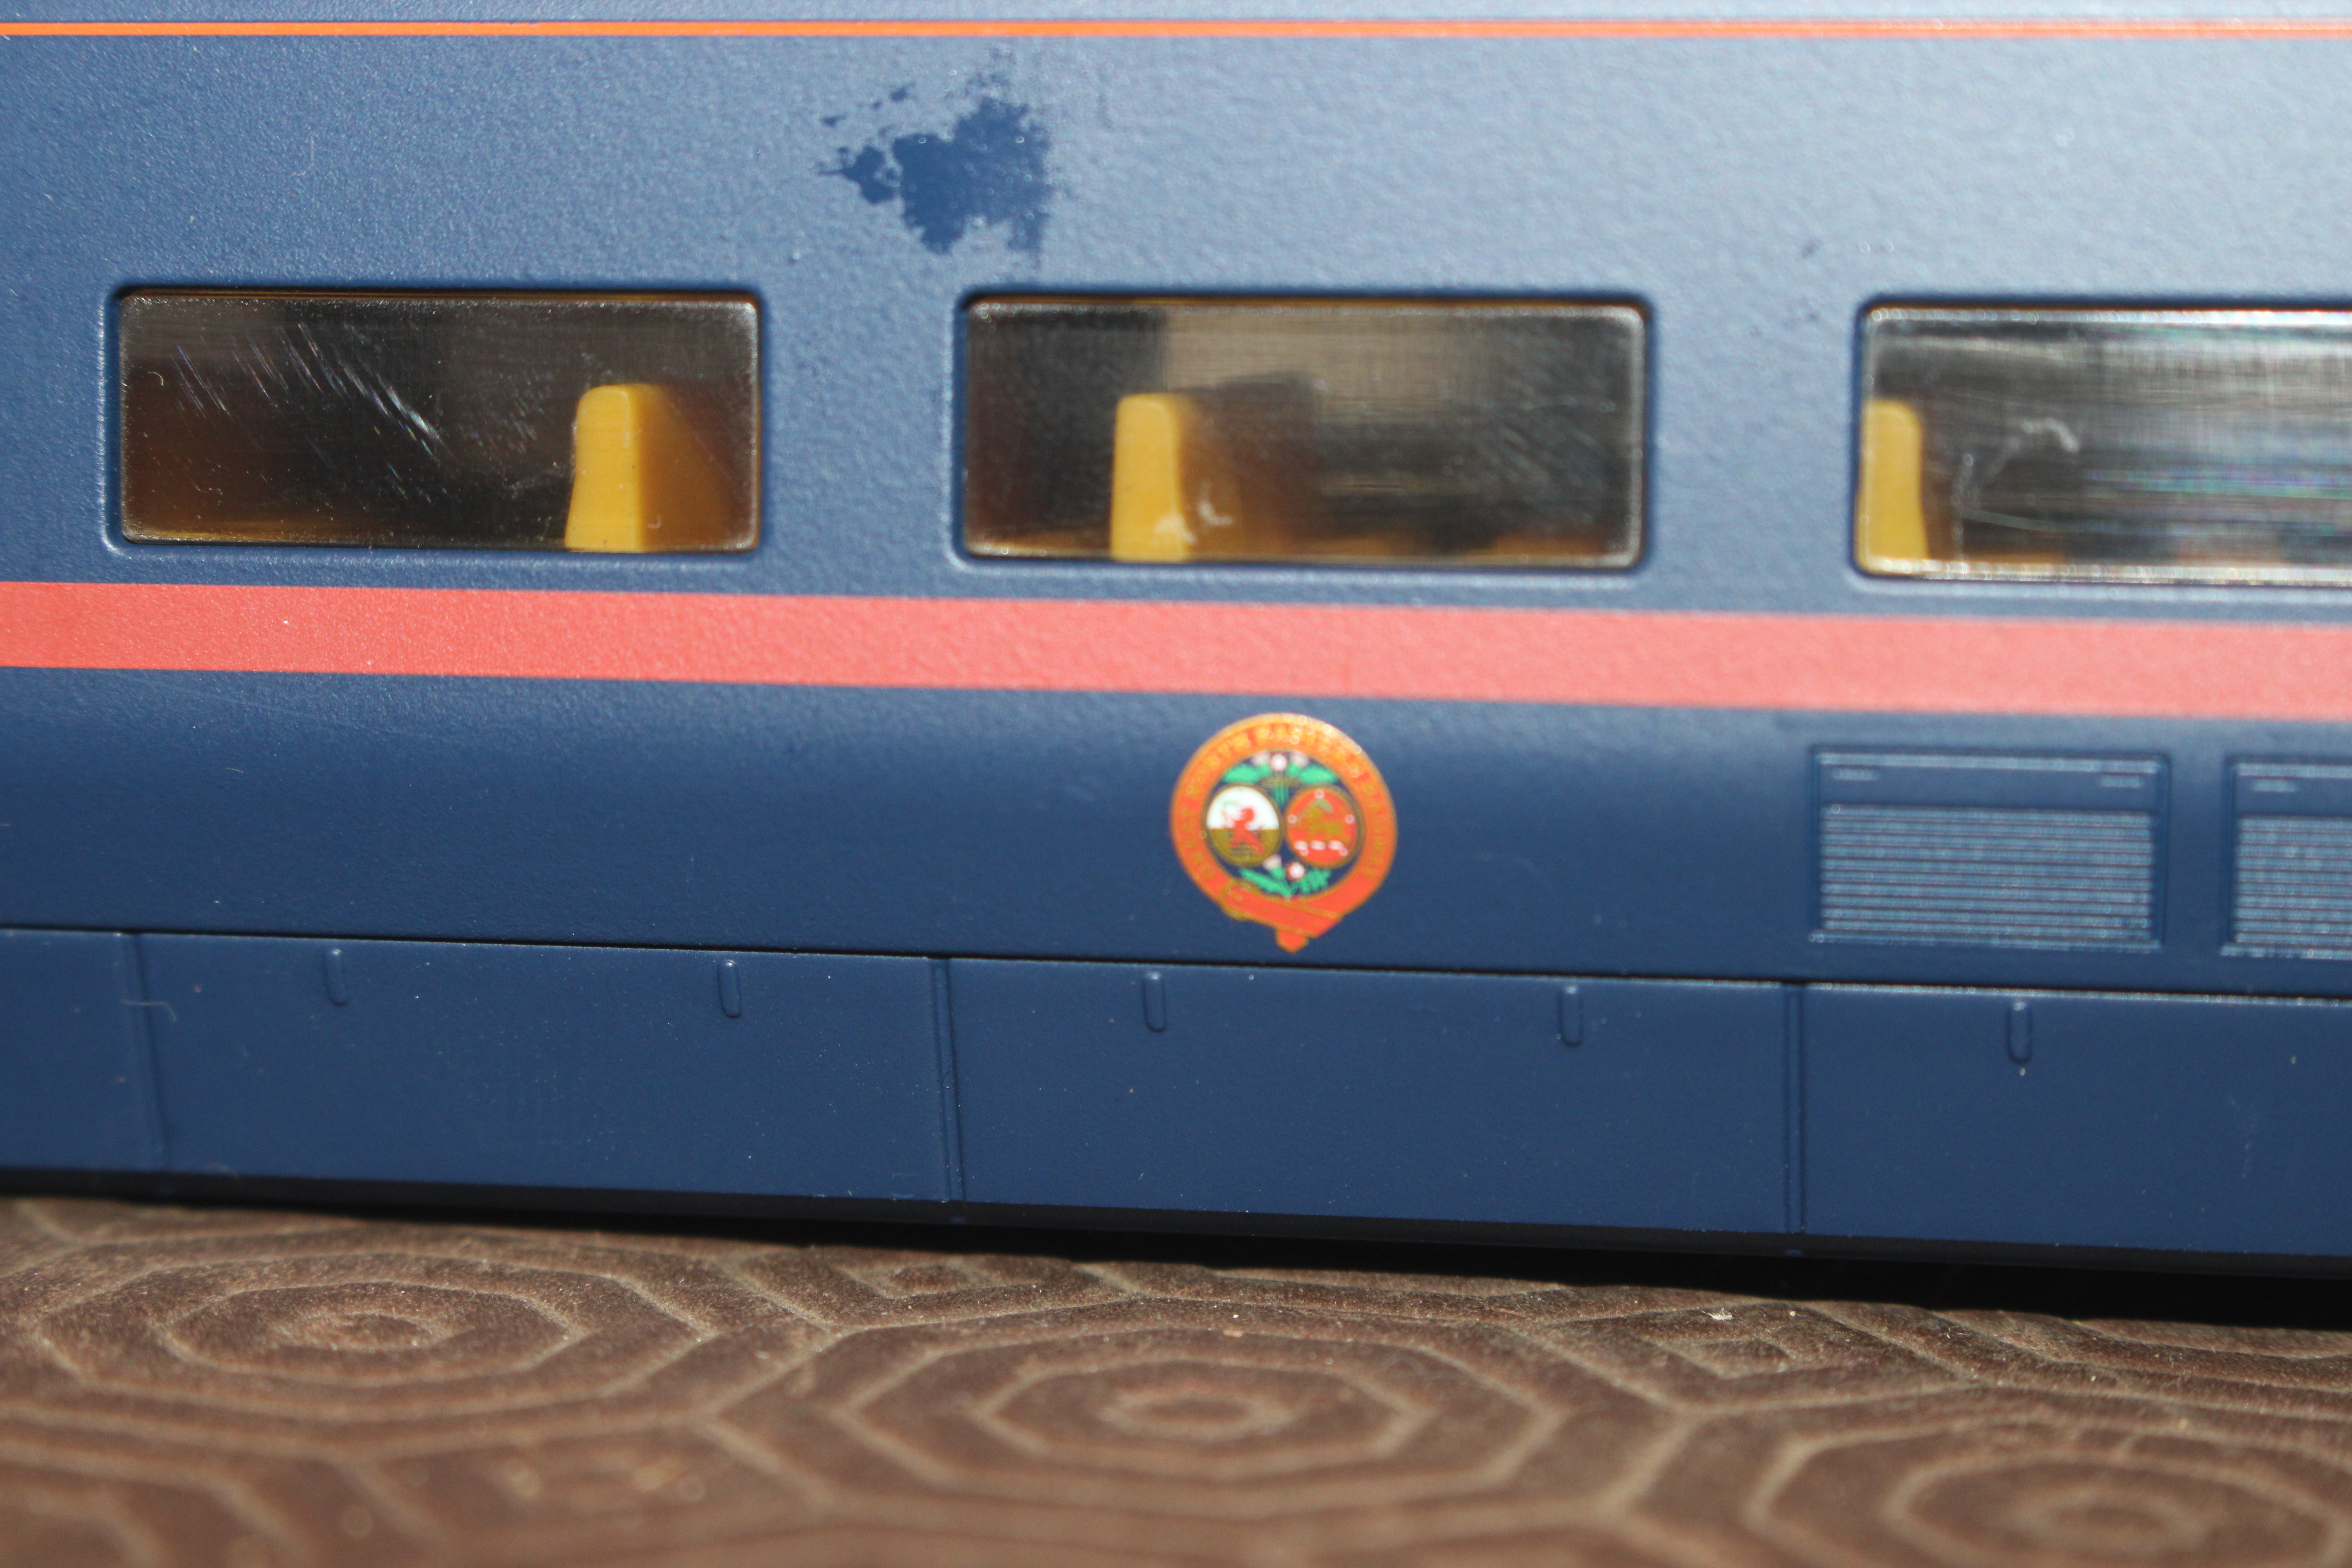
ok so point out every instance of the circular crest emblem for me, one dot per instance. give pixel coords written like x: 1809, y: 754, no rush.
x: 1283, y: 820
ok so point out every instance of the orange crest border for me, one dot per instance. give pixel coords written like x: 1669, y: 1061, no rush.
x: 1298, y: 921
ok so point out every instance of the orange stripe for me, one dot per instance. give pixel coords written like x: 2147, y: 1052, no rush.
x: 1238, y: 27
x: 1898, y: 664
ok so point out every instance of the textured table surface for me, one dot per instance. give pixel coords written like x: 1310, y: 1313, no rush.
x: 244, y: 1388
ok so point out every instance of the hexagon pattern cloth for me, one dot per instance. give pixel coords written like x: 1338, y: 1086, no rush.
x: 227, y: 1388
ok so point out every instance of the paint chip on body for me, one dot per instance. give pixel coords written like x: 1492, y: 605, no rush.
x: 987, y: 171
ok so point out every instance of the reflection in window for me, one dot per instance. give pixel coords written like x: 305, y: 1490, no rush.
x: 1498, y: 434
x: 2151, y: 445
x: 483, y: 421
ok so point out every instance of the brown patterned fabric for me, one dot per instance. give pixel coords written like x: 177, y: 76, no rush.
x: 251, y: 1390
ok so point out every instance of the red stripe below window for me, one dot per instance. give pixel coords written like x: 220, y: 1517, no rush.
x: 1897, y: 664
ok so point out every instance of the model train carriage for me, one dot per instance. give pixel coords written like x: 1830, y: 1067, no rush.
x: 1702, y: 631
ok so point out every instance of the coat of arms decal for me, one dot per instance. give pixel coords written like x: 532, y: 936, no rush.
x: 1283, y: 820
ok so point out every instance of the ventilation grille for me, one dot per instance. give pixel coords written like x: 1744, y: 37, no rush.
x: 2295, y: 885
x: 1993, y: 876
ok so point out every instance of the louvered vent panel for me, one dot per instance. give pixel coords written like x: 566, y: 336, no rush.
x: 1991, y: 876
x: 2295, y: 885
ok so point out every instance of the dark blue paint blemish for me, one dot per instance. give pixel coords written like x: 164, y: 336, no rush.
x: 988, y: 170
x: 871, y: 172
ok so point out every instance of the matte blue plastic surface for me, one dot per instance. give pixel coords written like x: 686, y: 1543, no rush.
x: 548, y: 1067
x: 2211, y: 1124
x: 518, y: 872
x: 75, y: 1092
x: 1404, y: 1095
x: 1674, y: 172
x: 1542, y: 840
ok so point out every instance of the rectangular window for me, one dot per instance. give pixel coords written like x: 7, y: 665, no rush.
x: 2106, y: 446
x: 1353, y: 432
x: 610, y: 423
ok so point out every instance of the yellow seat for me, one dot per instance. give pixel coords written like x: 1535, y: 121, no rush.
x: 1890, y: 519
x: 642, y: 479
x: 1154, y: 451
x: 1209, y: 477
